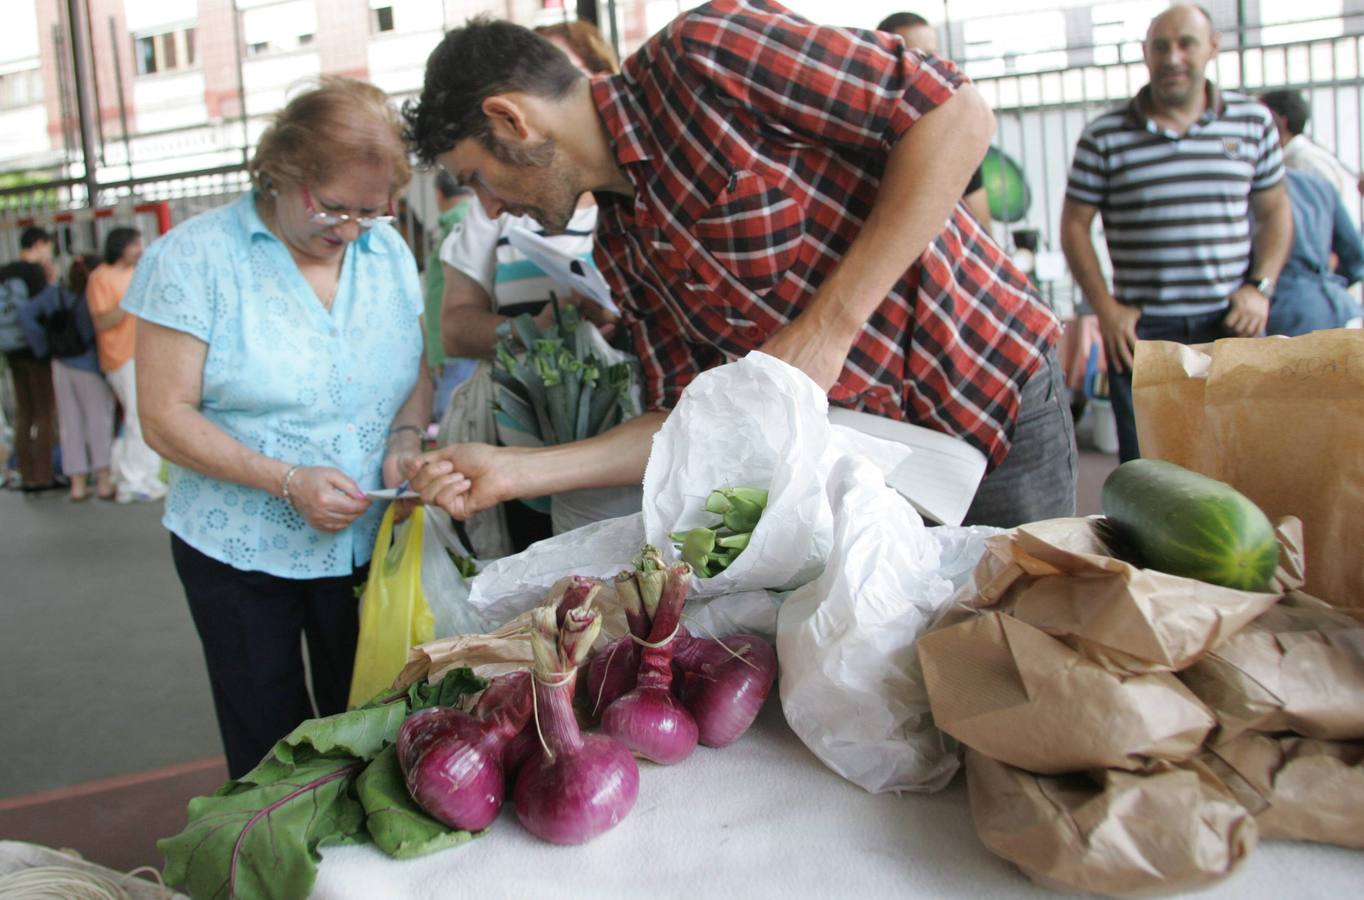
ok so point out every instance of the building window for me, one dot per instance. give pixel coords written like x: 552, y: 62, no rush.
x: 381, y: 19
x: 279, y: 27
x: 21, y: 89
x: 167, y: 52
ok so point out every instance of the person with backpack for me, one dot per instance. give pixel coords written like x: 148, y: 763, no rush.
x: 35, y: 418
x: 57, y: 324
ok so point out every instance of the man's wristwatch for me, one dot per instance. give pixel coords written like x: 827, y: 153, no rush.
x: 504, y: 331
x: 1264, y: 285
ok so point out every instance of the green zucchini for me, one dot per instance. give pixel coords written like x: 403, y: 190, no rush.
x: 1187, y: 524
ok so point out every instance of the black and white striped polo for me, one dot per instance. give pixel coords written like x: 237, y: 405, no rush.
x: 1176, y: 208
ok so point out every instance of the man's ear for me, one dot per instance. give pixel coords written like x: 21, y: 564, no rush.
x: 506, y: 118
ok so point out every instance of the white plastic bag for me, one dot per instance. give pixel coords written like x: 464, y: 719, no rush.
x: 850, y: 684
x: 574, y: 509
x: 513, y: 584
x: 445, y: 589
x: 759, y: 423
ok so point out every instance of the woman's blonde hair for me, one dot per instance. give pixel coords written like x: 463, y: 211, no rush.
x: 338, y: 124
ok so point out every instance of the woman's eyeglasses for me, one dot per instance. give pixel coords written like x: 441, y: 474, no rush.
x: 331, y: 219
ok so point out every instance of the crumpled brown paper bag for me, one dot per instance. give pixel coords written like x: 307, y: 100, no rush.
x: 1060, y: 576
x: 505, y: 650
x: 1018, y: 695
x: 1298, y: 668
x: 1297, y: 788
x: 1282, y: 421
x: 1126, y: 834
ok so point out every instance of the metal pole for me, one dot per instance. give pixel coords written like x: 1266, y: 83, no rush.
x: 615, y: 30
x: 81, y: 61
x: 94, y: 78
x: 241, y: 80
x: 947, y: 31
x: 118, y: 86
x: 1241, y: 43
x: 63, y: 90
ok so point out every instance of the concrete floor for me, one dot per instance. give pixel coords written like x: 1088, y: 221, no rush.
x: 101, y: 667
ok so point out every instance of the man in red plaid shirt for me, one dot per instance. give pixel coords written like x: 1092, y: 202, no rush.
x: 764, y: 184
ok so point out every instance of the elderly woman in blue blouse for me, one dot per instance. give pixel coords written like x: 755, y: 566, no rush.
x: 280, y: 370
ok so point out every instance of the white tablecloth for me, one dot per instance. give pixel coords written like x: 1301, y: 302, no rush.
x: 764, y: 818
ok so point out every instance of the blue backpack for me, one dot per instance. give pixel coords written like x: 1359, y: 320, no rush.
x: 13, y: 296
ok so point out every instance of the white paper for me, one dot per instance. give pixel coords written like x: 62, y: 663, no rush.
x: 567, y: 271
x: 757, y: 423
x: 391, y: 494
x: 850, y: 682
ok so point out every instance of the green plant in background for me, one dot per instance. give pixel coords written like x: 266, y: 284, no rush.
x: 40, y: 197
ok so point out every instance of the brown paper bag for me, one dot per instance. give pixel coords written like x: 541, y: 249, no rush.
x: 1279, y: 419
x: 1126, y: 834
x: 1298, y: 668
x: 1060, y: 576
x: 1018, y: 695
x: 1297, y: 788
x: 505, y: 650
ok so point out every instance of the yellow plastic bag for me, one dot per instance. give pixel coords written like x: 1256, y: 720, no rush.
x: 394, y: 613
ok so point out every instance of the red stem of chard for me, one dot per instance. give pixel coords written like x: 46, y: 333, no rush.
x: 344, y: 772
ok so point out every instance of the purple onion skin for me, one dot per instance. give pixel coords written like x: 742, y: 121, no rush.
x: 653, y: 724
x: 507, y: 696
x: 612, y: 674
x: 452, y: 763
x: 723, y: 693
x: 518, y: 751
x: 578, y: 795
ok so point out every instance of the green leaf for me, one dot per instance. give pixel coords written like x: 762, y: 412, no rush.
x: 446, y: 692
x: 396, y: 823
x: 301, y: 797
x: 263, y: 840
x: 527, y: 332
x: 696, y: 548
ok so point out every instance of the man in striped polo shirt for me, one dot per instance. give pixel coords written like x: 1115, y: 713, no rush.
x: 1189, y: 180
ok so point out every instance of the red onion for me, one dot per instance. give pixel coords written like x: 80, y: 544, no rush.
x: 452, y: 763
x: 580, y: 785
x: 724, y: 683
x: 612, y: 673
x: 649, y: 719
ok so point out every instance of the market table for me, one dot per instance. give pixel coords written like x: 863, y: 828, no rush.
x: 765, y: 818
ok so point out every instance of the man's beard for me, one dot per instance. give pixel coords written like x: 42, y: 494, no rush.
x: 541, y: 162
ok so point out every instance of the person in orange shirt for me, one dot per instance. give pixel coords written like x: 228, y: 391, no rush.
x: 137, y: 468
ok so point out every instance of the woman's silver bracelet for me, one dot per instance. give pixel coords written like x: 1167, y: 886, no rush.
x: 288, y: 498
x: 401, y: 428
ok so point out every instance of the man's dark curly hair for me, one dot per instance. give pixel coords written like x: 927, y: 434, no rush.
x: 483, y: 59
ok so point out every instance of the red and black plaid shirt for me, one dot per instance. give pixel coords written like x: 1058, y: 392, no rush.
x: 755, y: 142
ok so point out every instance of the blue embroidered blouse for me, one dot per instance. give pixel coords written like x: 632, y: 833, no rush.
x: 284, y: 377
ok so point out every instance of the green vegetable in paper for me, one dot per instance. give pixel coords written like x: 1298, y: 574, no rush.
x: 259, y: 836
x: 709, y: 551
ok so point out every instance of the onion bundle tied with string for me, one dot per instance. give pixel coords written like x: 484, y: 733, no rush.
x: 676, y: 689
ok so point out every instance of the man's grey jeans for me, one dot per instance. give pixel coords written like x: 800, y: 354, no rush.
x: 1036, y: 480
